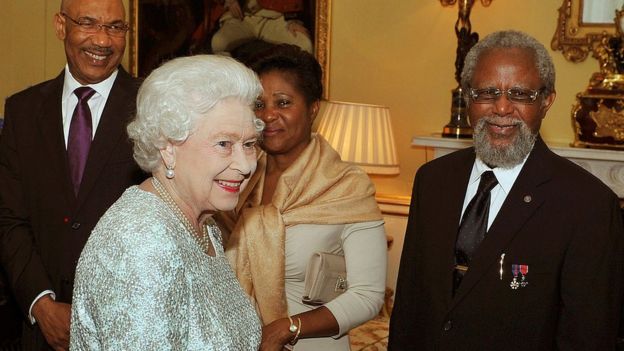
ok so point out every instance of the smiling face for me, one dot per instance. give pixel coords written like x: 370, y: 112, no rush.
x: 91, y: 57
x: 504, y: 130
x: 287, y: 116
x: 214, y: 164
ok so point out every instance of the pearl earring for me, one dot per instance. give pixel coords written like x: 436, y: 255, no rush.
x: 169, y: 173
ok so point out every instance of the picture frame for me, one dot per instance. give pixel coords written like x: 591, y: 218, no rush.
x: 141, y: 36
x: 576, y: 36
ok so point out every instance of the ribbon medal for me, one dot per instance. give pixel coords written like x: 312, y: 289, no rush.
x: 524, y: 269
x: 515, y: 270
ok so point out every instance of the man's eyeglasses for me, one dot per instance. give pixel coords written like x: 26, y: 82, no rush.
x: 517, y: 95
x: 85, y: 25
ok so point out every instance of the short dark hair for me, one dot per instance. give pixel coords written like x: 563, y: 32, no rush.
x: 299, y: 64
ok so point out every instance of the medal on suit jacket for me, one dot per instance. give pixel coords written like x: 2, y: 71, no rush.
x: 515, y: 269
x: 524, y: 269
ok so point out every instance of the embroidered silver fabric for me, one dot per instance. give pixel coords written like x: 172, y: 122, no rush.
x: 143, y: 283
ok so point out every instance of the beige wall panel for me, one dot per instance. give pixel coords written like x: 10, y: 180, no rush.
x: 55, y: 53
x: 22, y: 37
x: 395, y: 226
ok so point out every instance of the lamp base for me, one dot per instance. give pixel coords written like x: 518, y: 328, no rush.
x: 458, y: 127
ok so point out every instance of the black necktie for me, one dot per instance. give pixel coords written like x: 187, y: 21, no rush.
x: 474, y: 223
x: 79, y: 138
x: 473, y: 227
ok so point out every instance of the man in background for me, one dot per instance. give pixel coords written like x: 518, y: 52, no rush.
x: 64, y: 159
x: 508, y: 245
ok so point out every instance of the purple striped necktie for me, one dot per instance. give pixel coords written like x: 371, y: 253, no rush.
x: 79, y: 139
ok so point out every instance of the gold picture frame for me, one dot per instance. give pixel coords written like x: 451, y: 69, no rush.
x: 574, y: 37
x: 322, y: 39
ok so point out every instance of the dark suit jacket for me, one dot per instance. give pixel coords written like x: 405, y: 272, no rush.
x: 558, y: 219
x: 43, y: 226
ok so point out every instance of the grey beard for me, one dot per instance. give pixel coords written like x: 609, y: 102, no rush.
x: 507, y: 156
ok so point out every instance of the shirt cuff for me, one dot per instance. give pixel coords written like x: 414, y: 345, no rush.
x: 44, y: 293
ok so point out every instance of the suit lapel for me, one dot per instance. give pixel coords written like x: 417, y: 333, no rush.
x: 110, y: 130
x: 520, y: 205
x: 51, y: 131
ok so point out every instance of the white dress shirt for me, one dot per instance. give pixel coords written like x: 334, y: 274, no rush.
x: 97, y: 102
x: 506, y: 178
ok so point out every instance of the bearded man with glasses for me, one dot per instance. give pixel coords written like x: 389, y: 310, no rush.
x: 64, y: 159
x: 508, y: 245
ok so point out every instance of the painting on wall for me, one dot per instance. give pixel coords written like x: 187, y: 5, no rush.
x: 165, y: 29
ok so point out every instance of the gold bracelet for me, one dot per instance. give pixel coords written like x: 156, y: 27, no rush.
x: 296, y: 329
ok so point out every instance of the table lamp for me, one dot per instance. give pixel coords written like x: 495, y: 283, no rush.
x: 362, y: 135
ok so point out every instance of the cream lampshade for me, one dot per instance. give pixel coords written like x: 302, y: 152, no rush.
x: 362, y: 135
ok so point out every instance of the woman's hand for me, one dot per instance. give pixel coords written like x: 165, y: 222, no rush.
x: 319, y: 322
x: 275, y: 335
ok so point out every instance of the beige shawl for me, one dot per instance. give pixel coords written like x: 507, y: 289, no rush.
x: 318, y: 188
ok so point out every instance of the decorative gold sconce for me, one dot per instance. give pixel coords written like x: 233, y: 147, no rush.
x: 459, y: 127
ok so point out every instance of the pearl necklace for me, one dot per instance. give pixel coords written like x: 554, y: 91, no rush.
x: 201, y: 239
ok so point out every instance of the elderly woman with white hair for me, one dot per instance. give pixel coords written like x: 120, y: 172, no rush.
x: 153, y: 275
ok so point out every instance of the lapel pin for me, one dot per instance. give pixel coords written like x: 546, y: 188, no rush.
x: 501, y: 265
x: 527, y: 198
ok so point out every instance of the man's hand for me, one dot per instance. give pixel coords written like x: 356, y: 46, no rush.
x: 53, y: 319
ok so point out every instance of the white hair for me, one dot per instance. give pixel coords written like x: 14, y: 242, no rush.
x: 175, y: 95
